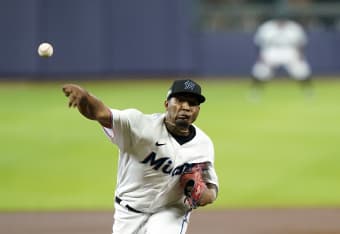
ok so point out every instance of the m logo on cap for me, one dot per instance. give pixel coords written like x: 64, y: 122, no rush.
x: 189, y: 85
x: 180, y: 87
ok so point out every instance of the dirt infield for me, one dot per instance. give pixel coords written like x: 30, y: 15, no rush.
x: 264, y: 221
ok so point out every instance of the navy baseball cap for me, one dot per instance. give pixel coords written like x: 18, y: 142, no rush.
x: 185, y: 86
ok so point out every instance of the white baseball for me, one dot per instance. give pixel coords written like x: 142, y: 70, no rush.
x: 45, y: 49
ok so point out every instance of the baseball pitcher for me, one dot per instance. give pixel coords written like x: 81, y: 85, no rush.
x: 166, y: 163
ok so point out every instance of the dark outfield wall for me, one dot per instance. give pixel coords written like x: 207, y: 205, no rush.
x: 130, y: 37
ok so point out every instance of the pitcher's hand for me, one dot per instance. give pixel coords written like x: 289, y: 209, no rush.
x: 75, y: 94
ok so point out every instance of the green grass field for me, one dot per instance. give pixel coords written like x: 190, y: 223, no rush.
x: 282, y: 150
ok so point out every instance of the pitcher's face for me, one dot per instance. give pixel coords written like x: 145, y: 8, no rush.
x: 182, y: 110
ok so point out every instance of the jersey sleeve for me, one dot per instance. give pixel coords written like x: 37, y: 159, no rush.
x: 209, y: 156
x: 124, y: 127
x: 261, y: 34
x: 301, y: 37
x: 211, y: 175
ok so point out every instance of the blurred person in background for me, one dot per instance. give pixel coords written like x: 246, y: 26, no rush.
x: 281, y: 43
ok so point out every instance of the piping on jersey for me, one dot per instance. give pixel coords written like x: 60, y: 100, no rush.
x: 185, y: 220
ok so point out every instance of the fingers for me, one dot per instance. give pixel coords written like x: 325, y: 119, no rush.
x: 72, y: 101
x: 72, y: 92
x: 67, y: 89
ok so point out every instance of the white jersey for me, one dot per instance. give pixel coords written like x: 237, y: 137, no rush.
x: 281, y: 44
x: 151, y: 160
x: 273, y: 34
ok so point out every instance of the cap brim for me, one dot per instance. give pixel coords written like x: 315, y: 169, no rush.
x: 199, y: 97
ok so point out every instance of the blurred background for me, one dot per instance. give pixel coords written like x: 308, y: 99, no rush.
x: 280, y: 151
x: 153, y: 38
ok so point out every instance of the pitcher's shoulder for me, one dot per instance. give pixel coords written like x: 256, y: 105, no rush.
x: 203, y: 136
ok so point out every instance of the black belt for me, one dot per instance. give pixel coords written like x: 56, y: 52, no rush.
x: 121, y: 202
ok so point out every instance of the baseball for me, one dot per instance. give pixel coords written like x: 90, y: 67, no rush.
x: 45, y: 49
